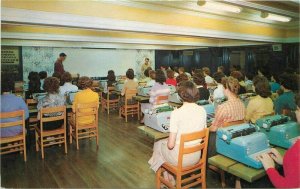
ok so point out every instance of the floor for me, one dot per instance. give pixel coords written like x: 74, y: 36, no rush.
x: 120, y: 162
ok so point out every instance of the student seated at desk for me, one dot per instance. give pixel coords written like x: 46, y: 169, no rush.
x: 199, y: 80
x: 219, y: 91
x: 260, y: 105
x: 240, y: 77
x: 152, y: 79
x: 181, y: 70
x: 188, y: 118
x: 181, y: 77
x: 111, y: 81
x: 67, y: 86
x: 86, y: 95
x: 287, y: 99
x: 231, y: 110
x: 52, y: 99
x: 290, y: 163
x: 146, y: 77
x: 134, y: 79
x: 171, y: 80
x: 209, y: 80
x: 160, y: 88
x: 10, y: 103
x: 130, y: 84
x: 34, y: 85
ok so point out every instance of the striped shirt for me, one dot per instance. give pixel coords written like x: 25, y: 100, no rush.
x: 231, y: 110
x: 158, y: 90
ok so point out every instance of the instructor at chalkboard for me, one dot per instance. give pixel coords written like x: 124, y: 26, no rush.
x: 58, y: 66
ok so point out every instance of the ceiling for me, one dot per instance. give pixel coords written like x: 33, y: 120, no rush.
x: 144, y: 24
x: 250, y: 10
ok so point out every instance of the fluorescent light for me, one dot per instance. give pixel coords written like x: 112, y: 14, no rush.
x: 219, y: 6
x: 275, y: 17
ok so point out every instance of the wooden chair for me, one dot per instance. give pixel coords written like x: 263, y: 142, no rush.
x: 13, y: 143
x: 187, y: 177
x: 32, y: 103
x: 161, y: 99
x: 80, y: 131
x: 130, y: 109
x: 45, y: 138
x: 107, y: 103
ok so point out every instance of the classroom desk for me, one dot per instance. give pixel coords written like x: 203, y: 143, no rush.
x: 156, y: 135
x: 223, y: 164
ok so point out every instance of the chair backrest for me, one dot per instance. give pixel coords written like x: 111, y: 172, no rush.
x: 202, y: 137
x: 52, y: 110
x: 161, y: 99
x: 129, y: 93
x: 14, y: 114
x: 227, y: 124
x: 87, y: 109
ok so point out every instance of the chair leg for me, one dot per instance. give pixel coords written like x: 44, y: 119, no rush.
x: 76, y: 137
x: 65, y: 139
x: 222, y: 174
x: 71, y: 135
x: 138, y: 113
x: 203, y: 185
x: 178, y: 181
x: 158, y: 174
x: 42, y: 146
x: 126, y: 115
x: 36, y: 141
x: 238, y: 183
x: 24, y: 149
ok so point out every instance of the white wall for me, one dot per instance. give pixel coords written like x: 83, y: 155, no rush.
x: 88, y: 62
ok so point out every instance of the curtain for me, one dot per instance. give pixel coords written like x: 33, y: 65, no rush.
x: 249, y: 64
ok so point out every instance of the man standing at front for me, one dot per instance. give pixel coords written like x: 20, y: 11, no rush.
x: 58, y: 66
x: 145, y: 66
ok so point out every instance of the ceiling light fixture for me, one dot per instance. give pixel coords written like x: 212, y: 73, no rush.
x: 275, y: 17
x: 219, y: 6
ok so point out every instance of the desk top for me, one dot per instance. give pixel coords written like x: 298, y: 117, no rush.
x: 156, y: 135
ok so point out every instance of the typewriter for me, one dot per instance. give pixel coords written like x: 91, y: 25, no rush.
x: 280, y: 130
x: 209, y: 108
x: 158, y: 118
x: 38, y: 96
x: 144, y: 91
x: 172, y: 89
x: 174, y: 97
x: 242, y: 143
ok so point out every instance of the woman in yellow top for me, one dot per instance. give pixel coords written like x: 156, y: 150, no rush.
x: 262, y: 104
x: 86, y: 95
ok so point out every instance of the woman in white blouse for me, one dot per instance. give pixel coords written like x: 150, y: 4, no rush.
x: 188, y: 118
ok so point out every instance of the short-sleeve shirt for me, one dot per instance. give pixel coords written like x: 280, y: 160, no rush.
x: 188, y: 118
x: 258, y: 107
x: 10, y: 103
x: 231, y: 110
